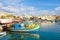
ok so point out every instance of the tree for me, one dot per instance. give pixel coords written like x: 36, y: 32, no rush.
x: 3, y: 17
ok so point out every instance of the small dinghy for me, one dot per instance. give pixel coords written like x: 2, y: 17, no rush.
x: 2, y: 34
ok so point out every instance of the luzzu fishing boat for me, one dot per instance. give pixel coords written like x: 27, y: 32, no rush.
x: 21, y: 27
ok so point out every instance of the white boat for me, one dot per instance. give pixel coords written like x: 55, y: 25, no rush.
x: 2, y: 34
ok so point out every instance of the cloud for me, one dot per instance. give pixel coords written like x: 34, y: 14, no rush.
x: 31, y: 8
x: 23, y: 9
x: 1, y: 5
x: 57, y: 9
x: 10, y: 8
x: 45, y: 12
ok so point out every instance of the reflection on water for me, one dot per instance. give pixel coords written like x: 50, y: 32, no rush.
x: 24, y: 36
x: 50, y: 31
x: 20, y: 36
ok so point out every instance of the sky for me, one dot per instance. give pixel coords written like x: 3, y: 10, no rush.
x: 32, y: 7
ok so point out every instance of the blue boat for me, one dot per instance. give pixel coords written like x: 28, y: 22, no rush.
x: 19, y: 27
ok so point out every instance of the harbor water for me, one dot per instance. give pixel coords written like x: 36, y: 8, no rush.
x: 47, y: 31
x: 50, y: 31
